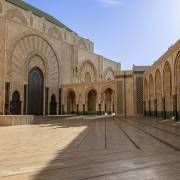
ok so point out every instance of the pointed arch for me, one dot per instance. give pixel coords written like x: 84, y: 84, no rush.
x: 71, y: 102
x: 109, y: 100
x: 27, y: 47
x: 177, y: 70
x: 177, y: 80
x: 167, y: 86
x: 88, y: 67
x: 92, y: 101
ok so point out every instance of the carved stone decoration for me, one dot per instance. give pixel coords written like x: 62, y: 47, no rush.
x: 109, y: 74
x: 55, y: 32
x: 87, y: 72
x: 82, y: 45
x: 33, y: 51
x: 16, y: 15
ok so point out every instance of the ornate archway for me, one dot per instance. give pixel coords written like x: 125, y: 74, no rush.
x: 167, y: 87
x: 23, y: 53
x: 88, y: 72
x: 92, y: 97
x: 29, y: 51
x: 177, y: 83
x: 109, y: 100
x: 71, y: 102
x: 35, y: 91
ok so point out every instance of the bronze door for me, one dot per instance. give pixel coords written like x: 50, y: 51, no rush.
x: 35, y: 92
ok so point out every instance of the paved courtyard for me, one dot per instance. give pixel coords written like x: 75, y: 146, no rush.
x: 91, y: 148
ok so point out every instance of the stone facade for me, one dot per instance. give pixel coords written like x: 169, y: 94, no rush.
x: 162, y: 85
x: 46, y: 68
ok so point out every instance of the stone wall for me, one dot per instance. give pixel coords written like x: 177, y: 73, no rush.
x: 161, y: 82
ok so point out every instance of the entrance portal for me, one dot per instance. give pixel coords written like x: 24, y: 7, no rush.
x: 35, y: 92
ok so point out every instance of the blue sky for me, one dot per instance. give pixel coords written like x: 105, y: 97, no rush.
x: 128, y: 31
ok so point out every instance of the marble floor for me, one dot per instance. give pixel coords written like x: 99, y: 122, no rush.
x: 94, y: 148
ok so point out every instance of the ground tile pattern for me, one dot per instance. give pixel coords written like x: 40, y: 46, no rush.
x: 97, y: 148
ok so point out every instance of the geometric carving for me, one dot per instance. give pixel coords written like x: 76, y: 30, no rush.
x: 30, y: 50
x: 87, y: 72
x: 139, y: 91
x: 145, y: 90
x: 36, y: 61
x: 55, y: 33
x: 109, y: 74
x: 16, y: 15
x: 82, y: 45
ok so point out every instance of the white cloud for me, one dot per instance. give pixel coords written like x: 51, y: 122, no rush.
x: 110, y: 2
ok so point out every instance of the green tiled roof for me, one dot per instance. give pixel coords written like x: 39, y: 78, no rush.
x: 38, y: 12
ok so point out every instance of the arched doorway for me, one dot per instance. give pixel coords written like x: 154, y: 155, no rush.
x: 92, y: 95
x: 71, y: 102
x: 35, y: 91
x: 15, y: 106
x: 53, y: 105
x: 109, y: 100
